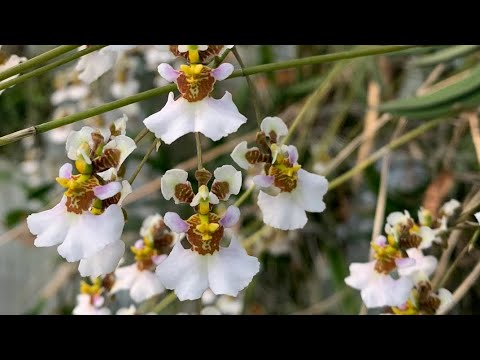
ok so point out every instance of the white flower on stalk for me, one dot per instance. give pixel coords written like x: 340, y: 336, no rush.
x: 86, y: 224
x: 195, y: 110
x: 378, y: 289
x: 125, y: 83
x: 450, y: 207
x: 87, y: 305
x: 206, y: 264
x: 398, y: 222
x: 139, y: 278
x: 142, y: 284
x: 290, y: 191
x: 69, y: 93
x: 155, y: 55
x: 93, y: 149
x: 226, y: 271
x: 97, y: 63
x: 7, y: 62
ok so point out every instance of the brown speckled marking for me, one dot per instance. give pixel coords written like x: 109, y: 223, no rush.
x: 80, y: 200
x: 110, y: 158
x: 255, y: 156
x: 195, y: 238
x: 111, y: 201
x: 184, y: 192
x: 205, y: 56
x: 200, y: 88
x: 281, y: 180
x: 385, y: 266
x: 221, y: 189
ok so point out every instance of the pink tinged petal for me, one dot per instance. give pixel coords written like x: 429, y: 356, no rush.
x: 223, y: 71
x: 231, y: 217
x: 125, y: 277
x: 274, y: 124
x: 170, y: 180
x: 168, y: 72
x: 175, y: 222
x: 126, y: 190
x: 263, y: 180
x: 292, y: 154
x: 381, y: 240
x: 98, y: 301
x: 231, y: 269
x: 51, y: 226
x: 405, y: 262
x: 360, y: 274
x: 238, y: 155
x: 184, y: 271
x: 91, y: 233
x: 281, y: 211
x: 145, y: 286
x: 211, y: 117
x: 139, y: 244
x: 400, y: 291
x: 158, y: 259
x: 107, y: 191
x: 310, y: 191
x: 65, y: 171
x: 423, y: 264
x: 103, y: 262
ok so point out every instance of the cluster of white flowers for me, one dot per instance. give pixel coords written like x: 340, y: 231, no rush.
x: 88, y: 222
x: 194, y: 256
x: 398, y: 277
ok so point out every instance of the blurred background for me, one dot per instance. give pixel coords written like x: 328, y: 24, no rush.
x: 301, y: 271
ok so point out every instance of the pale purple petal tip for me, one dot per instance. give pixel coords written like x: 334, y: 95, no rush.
x: 65, y: 171
x: 157, y: 259
x: 98, y: 301
x: 175, y: 222
x: 223, y: 71
x: 292, y: 154
x: 405, y: 262
x: 107, y: 191
x: 168, y: 72
x: 263, y: 180
x: 139, y: 244
x: 381, y: 240
x: 231, y: 217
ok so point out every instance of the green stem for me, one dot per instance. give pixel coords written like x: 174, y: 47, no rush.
x: 53, y: 124
x: 402, y: 140
x: 37, y: 60
x: 199, y: 151
x: 457, y: 260
x: 167, y: 300
x: 244, y: 196
x: 141, y: 135
x: 144, y: 160
x: 251, y: 86
x: 46, y: 68
x: 313, y: 100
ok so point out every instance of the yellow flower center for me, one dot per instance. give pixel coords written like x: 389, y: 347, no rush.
x: 206, y: 228
x: 94, y: 289
x: 410, y: 309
